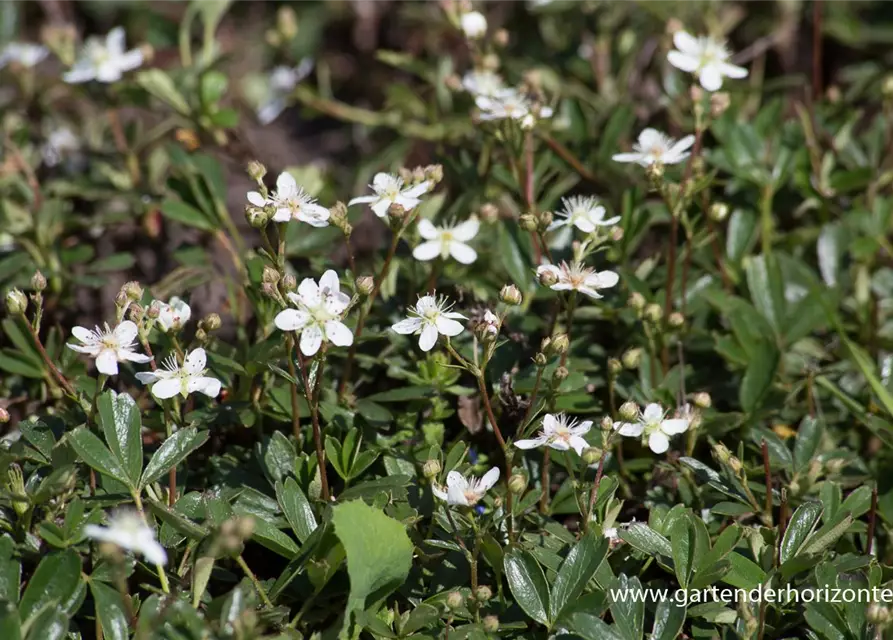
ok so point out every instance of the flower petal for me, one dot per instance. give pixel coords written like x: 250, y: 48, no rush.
x: 628, y: 157
x: 711, y: 77
x: 674, y: 426
x: 687, y: 43
x: 428, y: 337
x: 286, y: 185
x: 329, y: 282
x: 338, y: 333
x: 629, y: 429
x: 416, y: 191
x: 549, y: 424
x: 407, y: 326
x: 164, y: 389
x: 126, y: 332
x: 532, y: 443
x: 427, y: 250
x: 449, y: 327
x: 291, y: 320
x: 653, y: 412
x: 467, y: 230
x: 578, y: 444
x: 427, y: 230
x: 204, y: 384
x: 311, y: 339
x: 658, y: 442
x: 107, y: 362
x: 732, y: 71
x: 83, y: 334
x: 683, y: 61
x: 490, y: 478
x: 462, y: 252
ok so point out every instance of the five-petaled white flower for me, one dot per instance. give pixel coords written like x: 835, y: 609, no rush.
x: 559, y: 433
x: 652, y: 425
x: 510, y: 104
x: 706, y: 57
x: 654, y: 147
x: 576, y: 277
x: 282, y: 81
x: 173, y: 315
x: 584, y: 213
x: 389, y: 190
x: 128, y: 530
x: 474, y: 24
x: 466, y: 492
x: 318, y: 314
x: 108, y: 346
x: 172, y: 379
x: 292, y: 203
x: 484, y: 83
x: 104, y: 60
x: 25, y: 54
x: 447, y: 241
x: 429, y: 318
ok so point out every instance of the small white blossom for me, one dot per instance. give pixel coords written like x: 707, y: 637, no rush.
x: 653, y: 147
x: 389, y: 190
x: 104, y: 60
x: 173, y: 315
x: 447, y: 241
x: 484, y: 83
x: 128, y: 530
x: 429, y: 318
x: 25, y: 54
x: 474, y: 24
x: 706, y: 57
x: 108, y: 346
x: 559, y: 433
x: 318, y: 314
x: 510, y: 104
x: 491, y: 323
x: 576, y: 277
x: 292, y: 203
x: 466, y: 492
x: 172, y: 379
x: 584, y: 213
x: 61, y: 142
x: 281, y: 83
x: 652, y: 425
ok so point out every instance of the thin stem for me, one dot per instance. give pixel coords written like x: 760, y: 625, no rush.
x: 768, y: 472
x: 162, y: 576
x: 569, y: 158
x: 317, y: 434
x: 536, y: 386
x: 872, y: 521
x: 485, y: 397
x: 63, y: 381
x: 593, y: 493
x: 295, y: 409
x: 257, y: 585
x: 544, y: 498
x: 571, y: 307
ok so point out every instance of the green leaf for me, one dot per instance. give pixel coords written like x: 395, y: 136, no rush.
x: 10, y: 570
x: 758, y: 376
x: 186, y: 214
x: 110, y: 611
x: 629, y: 613
x: 863, y: 361
x: 517, y: 265
x: 799, y: 529
x: 296, y: 508
x: 55, y: 581
x: 592, y: 627
x: 92, y: 451
x: 828, y: 535
x: 273, y: 539
x: 173, y: 452
x: 646, y: 539
x: 10, y: 626
x: 576, y: 570
x: 744, y: 574
x: 379, y: 553
x: 809, y: 434
x: 668, y: 619
x: 766, y: 285
x: 120, y: 420
x: 528, y: 585
x: 741, y: 233
x: 162, y: 86
x: 682, y: 539
x: 50, y: 623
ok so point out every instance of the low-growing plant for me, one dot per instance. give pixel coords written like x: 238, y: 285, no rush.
x: 553, y: 372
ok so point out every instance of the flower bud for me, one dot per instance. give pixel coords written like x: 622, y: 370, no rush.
x: 338, y: 218
x: 16, y: 302
x: 483, y: 593
x: 591, y: 455
x: 269, y: 290
x: 632, y: 358
x: 527, y: 222
x: 270, y: 275
x: 474, y: 25
x: 614, y: 366
x: 121, y: 300
x: 676, y: 320
x: 540, y: 359
x: 4, y: 416
x: 210, y: 322
x: 559, y: 344
x: 887, y: 86
x: 510, y: 295
x: 201, y: 335
x: 433, y: 173
x: 289, y: 282
x: 257, y: 217
x: 431, y: 468
x: 636, y: 301
x: 696, y: 93
x: 559, y: 376
x: 617, y: 234
x: 544, y: 219
x: 364, y: 285
x: 674, y: 25
x: 245, y: 527
x: 455, y: 600
x: 136, y: 312
x: 489, y: 212
x: 607, y: 423
x: 38, y: 281
x: 702, y: 400
x: 878, y: 614
x: 396, y: 215
x: 547, y: 277
x: 655, y: 174
x: 517, y: 483
x: 653, y: 313
x: 719, y: 102
x: 629, y: 411
x: 287, y: 23
x: 256, y: 171
x: 718, y: 211
x: 16, y: 486
x: 491, y: 624
x: 154, y: 310
x: 133, y: 290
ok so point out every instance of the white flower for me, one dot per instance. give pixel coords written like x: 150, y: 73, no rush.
x: 292, y: 203
x: 173, y: 379
x: 429, y: 318
x: 611, y: 534
x: 559, y: 433
x: 104, y: 60
x: 129, y: 531
x: 447, y: 241
x: 705, y: 57
x: 510, y: 104
x: 173, y: 314
x: 389, y: 190
x: 282, y: 82
x: 25, y: 54
x: 108, y: 346
x: 59, y: 143
x: 576, y: 277
x: 655, y: 147
x: 466, y: 492
x: 474, y: 24
x: 584, y: 213
x: 318, y: 314
x: 652, y: 425
x: 484, y: 83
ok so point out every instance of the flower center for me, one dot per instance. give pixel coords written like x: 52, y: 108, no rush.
x: 471, y: 496
x: 446, y: 236
x: 108, y: 342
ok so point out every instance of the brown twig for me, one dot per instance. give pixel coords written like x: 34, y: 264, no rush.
x: 317, y: 434
x: 60, y: 377
x: 295, y: 408
x: 768, y: 471
x: 544, y: 480
x: 872, y: 521
x: 593, y: 493
x: 565, y: 154
x: 485, y: 398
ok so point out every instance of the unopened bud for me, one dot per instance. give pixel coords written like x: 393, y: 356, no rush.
x: 38, y: 281
x: 617, y: 234
x: 491, y: 624
x: 269, y: 290
x: 517, y: 483
x: 455, y: 600
x: 547, y: 277
x: 16, y: 302
x: 702, y: 400
x: 540, y: 359
x: 257, y: 217
x: 256, y: 171
x: 154, y: 310
x: 560, y: 344
x: 136, y: 312
x: 365, y: 285
x: 696, y: 93
x: 674, y: 25
x: 396, y: 215
x: 431, y: 468
x: 489, y: 212
x: 676, y: 320
x: 201, y: 335
x: 483, y: 593
x: 289, y: 282
x: 629, y: 411
x: 338, y: 218
x: 607, y: 423
x: 245, y: 527
x: 133, y: 290
x: 287, y: 23
x: 210, y: 322
x: 614, y: 366
x: 270, y: 275
x: 527, y: 222
x: 591, y: 455
x: 718, y: 211
x: 4, y: 416
x: 887, y: 87
x: 636, y: 301
x: 719, y: 102
x: 559, y: 375
x: 655, y: 173
x: 632, y: 358
x: 510, y: 295
x: 653, y: 313
x: 433, y: 173
x: 121, y: 300
x: 544, y: 219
